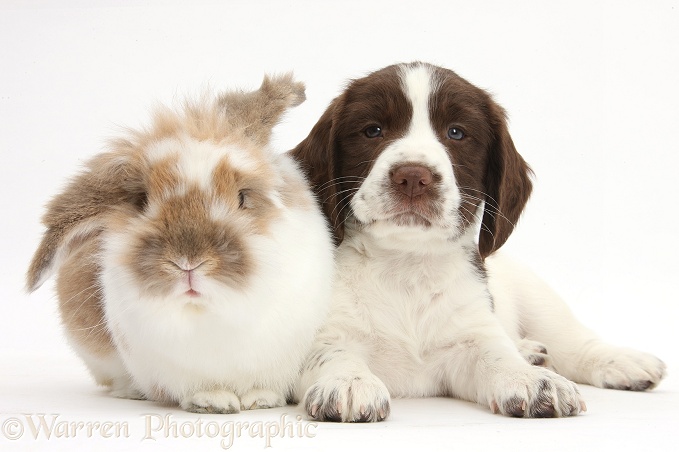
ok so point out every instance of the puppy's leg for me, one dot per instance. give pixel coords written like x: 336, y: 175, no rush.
x: 534, y: 353
x: 483, y: 364
x: 337, y: 385
x: 576, y: 352
x: 579, y: 354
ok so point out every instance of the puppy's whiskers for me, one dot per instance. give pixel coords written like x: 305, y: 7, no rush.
x: 334, y: 195
x: 364, y: 162
x: 346, y: 199
x: 492, y: 210
x: 339, y: 180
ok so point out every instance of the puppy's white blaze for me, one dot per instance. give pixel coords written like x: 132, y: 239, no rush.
x: 420, y: 145
x: 421, y: 141
x: 417, y: 86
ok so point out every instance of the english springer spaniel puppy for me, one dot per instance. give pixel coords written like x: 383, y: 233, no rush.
x: 421, y: 183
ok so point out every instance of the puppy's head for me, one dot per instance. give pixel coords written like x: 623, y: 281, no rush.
x: 415, y: 148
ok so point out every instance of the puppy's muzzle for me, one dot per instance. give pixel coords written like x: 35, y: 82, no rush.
x: 411, y: 180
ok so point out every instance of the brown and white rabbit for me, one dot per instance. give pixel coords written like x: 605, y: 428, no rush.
x: 193, y: 264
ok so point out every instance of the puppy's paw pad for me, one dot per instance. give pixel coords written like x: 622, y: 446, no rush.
x: 536, y: 393
x: 348, y: 399
x: 261, y: 398
x: 627, y: 369
x: 209, y: 402
x: 535, y: 353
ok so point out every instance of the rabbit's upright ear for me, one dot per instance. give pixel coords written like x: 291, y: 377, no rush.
x: 257, y: 112
x: 110, y: 181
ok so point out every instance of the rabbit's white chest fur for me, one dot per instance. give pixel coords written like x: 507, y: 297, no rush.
x: 245, y: 339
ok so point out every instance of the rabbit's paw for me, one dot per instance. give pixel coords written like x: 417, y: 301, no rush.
x: 218, y: 402
x: 261, y: 398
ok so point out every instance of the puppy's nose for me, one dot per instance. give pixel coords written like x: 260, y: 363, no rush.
x: 411, y: 180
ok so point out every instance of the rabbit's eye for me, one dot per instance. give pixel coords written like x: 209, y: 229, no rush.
x: 246, y: 199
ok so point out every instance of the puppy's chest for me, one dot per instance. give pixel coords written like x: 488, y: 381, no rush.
x: 413, y: 300
x: 409, y: 310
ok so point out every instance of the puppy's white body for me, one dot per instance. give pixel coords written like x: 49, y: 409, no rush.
x: 415, y: 311
x: 417, y: 324
x: 411, y: 312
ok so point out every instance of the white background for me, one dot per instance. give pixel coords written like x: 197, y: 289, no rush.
x: 591, y: 90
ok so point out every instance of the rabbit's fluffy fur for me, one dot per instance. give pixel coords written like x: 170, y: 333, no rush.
x: 193, y: 264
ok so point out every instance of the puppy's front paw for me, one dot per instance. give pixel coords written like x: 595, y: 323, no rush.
x: 535, y: 392
x: 348, y: 399
x: 261, y: 398
x: 535, y: 353
x: 622, y: 368
x: 217, y: 402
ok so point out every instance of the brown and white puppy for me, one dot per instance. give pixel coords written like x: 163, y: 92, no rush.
x: 421, y: 182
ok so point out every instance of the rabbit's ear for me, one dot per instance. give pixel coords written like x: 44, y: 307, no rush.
x: 110, y: 181
x: 257, y: 112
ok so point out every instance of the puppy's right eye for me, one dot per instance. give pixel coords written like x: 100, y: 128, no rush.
x: 373, y: 132
x: 241, y: 199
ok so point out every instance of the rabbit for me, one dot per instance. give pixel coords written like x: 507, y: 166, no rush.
x: 193, y: 266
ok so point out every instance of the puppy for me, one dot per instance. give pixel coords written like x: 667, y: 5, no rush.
x: 420, y: 180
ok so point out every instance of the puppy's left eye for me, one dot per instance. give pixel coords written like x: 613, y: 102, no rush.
x: 455, y: 133
x: 373, y: 132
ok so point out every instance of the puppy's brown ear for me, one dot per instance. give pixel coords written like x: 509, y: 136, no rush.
x: 508, y: 186
x: 316, y: 155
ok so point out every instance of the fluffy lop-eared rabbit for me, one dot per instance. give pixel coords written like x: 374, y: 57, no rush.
x: 192, y: 263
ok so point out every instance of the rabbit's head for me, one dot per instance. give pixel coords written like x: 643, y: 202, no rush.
x: 178, y: 202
